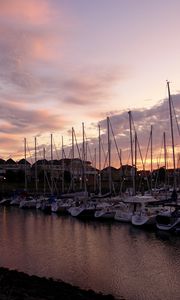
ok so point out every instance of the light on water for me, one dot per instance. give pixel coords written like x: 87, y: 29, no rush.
x: 112, y: 258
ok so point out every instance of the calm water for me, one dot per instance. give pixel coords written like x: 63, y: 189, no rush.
x: 112, y: 258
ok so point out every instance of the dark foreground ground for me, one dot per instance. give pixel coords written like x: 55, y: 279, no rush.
x: 20, y: 286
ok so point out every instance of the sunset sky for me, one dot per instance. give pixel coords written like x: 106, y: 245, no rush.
x: 64, y: 62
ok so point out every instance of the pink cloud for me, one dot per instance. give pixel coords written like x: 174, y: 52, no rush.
x: 32, y: 41
x: 18, y: 120
x: 93, y: 86
x: 33, y: 12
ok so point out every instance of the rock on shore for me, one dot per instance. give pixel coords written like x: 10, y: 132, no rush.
x: 16, y: 285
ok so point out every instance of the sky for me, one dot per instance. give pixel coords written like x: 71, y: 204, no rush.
x: 68, y: 62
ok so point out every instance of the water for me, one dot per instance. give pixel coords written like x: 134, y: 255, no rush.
x: 108, y: 257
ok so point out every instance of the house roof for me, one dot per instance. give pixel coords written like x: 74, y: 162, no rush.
x: 10, y: 161
x: 23, y: 161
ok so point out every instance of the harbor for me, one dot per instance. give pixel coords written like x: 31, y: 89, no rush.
x: 89, y: 150
x: 108, y: 257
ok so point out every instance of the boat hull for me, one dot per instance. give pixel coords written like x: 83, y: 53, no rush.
x: 83, y: 213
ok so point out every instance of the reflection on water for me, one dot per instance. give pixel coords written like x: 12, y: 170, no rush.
x: 108, y: 257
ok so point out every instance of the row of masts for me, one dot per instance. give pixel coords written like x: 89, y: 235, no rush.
x: 133, y: 152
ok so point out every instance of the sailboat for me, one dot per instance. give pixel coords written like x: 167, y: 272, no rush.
x: 148, y: 211
x: 84, y: 207
x: 170, y: 221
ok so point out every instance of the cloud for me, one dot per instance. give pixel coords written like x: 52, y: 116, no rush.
x: 41, y: 85
x: 34, y: 64
x: 32, y: 38
x: 20, y: 120
x: 157, y: 116
x: 32, y: 45
x: 25, y: 11
x: 35, y: 83
x: 93, y: 85
x: 17, y: 121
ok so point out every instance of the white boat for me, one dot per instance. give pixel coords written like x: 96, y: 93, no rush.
x: 130, y: 205
x: 6, y: 201
x: 61, y: 206
x: 108, y: 212
x: 147, y: 208
x: 46, y: 203
x: 16, y: 201
x: 146, y: 215
x: 85, y: 210
x: 169, y: 220
x: 124, y: 212
x: 28, y: 202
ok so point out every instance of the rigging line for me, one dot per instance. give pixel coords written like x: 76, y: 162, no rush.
x: 137, y: 141
x: 87, y: 146
x: 54, y: 144
x: 143, y: 163
x: 91, y: 159
x: 77, y: 146
x: 39, y: 150
x: 89, y: 149
x: 41, y: 154
x: 105, y: 162
x: 124, y: 171
x: 140, y: 153
x: 94, y: 158
x: 64, y: 154
x: 55, y: 186
x: 70, y: 154
x: 147, y: 150
x: 47, y: 179
x: 29, y: 153
x: 158, y: 163
x: 175, y: 117
x: 119, y: 154
x: 104, y: 153
x: 162, y: 144
x: 102, y: 147
x: 128, y: 160
x: 139, y: 150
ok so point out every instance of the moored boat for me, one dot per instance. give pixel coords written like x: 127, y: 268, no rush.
x: 85, y: 210
x: 28, y: 202
x: 6, y: 201
x: 146, y: 216
x: 107, y: 213
x: 61, y: 206
x: 170, y: 220
x: 124, y: 212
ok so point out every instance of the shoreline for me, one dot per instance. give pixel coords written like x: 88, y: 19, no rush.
x: 15, y: 285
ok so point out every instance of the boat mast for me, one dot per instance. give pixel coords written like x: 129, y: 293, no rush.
x: 83, y: 160
x: 165, y: 153
x: 109, y: 157
x: 25, y: 166
x: 135, y: 160
x: 95, y: 177
x: 165, y: 162
x: 151, y: 156
x: 172, y: 136
x: 132, y: 156
x: 35, y: 154
x: 44, y: 173
x: 72, y: 160
x: 62, y: 156
x: 100, y: 188
x: 52, y: 188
